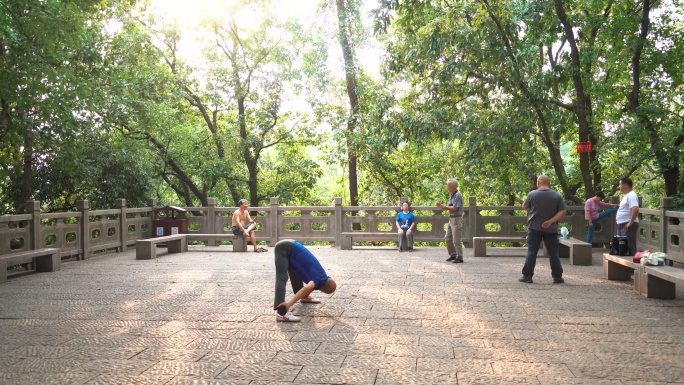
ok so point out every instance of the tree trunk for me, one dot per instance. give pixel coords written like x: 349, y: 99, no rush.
x: 27, y: 175
x: 350, y: 76
x: 582, y: 99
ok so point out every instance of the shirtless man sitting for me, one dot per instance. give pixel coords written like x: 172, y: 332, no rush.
x: 244, y: 224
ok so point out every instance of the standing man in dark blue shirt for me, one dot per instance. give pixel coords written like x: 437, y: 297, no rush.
x: 454, y: 231
x: 545, y: 208
x: 306, y: 275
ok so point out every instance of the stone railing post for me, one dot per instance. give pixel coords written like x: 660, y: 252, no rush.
x: 273, y: 220
x: 84, y: 209
x: 666, y: 204
x: 472, y: 219
x: 210, y: 221
x: 123, y: 229
x: 151, y: 202
x: 338, y: 220
x: 33, y: 208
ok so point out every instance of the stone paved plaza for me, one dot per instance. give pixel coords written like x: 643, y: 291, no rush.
x: 205, y: 317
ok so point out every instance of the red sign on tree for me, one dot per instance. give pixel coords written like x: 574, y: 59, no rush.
x: 583, y: 147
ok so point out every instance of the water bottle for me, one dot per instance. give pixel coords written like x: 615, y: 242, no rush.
x: 564, y: 232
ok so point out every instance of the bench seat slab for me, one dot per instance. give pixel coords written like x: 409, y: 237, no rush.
x: 239, y: 243
x: 660, y: 281
x: 617, y: 268
x: 347, y: 238
x: 480, y: 243
x: 44, y: 260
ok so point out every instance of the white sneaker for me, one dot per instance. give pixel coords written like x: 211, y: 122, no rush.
x: 310, y: 299
x: 288, y: 317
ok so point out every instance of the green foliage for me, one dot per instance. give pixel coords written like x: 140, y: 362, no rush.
x: 497, y: 78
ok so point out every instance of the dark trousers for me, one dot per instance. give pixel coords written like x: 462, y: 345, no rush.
x: 283, y: 271
x: 631, y: 234
x: 534, y: 240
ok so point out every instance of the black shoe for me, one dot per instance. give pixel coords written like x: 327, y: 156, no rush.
x: 558, y: 280
x: 525, y: 279
x: 450, y: 259
x: 457, y: 260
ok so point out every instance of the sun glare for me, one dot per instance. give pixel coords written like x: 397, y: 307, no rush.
x: 192, y: 13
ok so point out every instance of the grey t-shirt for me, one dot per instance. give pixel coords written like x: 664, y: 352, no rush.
x: 543, y: 204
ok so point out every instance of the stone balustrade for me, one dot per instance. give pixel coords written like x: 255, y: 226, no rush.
x: 84, y: 233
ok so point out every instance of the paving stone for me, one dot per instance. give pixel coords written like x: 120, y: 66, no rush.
x: 531, y: 369
x: 419, y: 351
x: 325, y: 337
x: 133, y: 367
x: 347, y: 375
x: 184, y: 380
x: 118, y: 379
x: 457, y: 365
x: 391, y: 377
x: 167, y: 342
x: 323, y: 361
x: 45, y: 365
x: 267, y: 372
x: 181, y: 368
x: 627, y: 371
x: 387, y: 339
x: 369, y: 348
x: 382, y: 362
x: 209, y: 320
x: 45, y: 378
x: 98, y: 352
x: 158, y: 354
x: 40, y: 351
x: 470, y: 378
x: 286, y: 346
x: 233, y: 357
x: 220, y: 343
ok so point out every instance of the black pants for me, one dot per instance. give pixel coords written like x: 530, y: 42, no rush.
x: 283, y: 271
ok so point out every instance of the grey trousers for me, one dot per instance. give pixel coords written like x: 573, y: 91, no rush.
x: 283, y: 271
x: 453, y: 235
x: 405, y: 240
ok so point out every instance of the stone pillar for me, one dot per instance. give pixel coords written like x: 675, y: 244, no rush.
x: 151, y: 202
x: 33, y: 208
x: 338, y: 220
x: 472, y: 220
x: 123, y: 229
x: 84, y: 208
x: 273, y: 221
x: 209, y: 224
x: 666, y: 204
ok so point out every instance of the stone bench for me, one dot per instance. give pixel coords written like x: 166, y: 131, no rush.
x: 480, y: 243
x: 579, y: 252
x: 147, y: 248
x: 660, y: 281
x: 239, y: 243
x: 386, y: 236
x: 42, y: 259
x: 347, y: 237
x: 621, y: 268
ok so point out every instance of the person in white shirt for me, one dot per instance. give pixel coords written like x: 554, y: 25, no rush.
x: 627, y: 216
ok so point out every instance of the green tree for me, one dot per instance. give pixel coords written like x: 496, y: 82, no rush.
x: 510, y: 78
x: 49, y: 51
